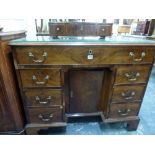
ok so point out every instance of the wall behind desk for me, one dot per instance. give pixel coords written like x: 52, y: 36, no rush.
x: 19, y: 24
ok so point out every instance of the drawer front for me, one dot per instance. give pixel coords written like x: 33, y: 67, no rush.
x: 40, y: 78
x: 43, y: 97
x: 124, y: 110
x: 86, y: 29
x: 66, y: 55
x: 104, y: 30
x: 132, y: 74
x: 45, y: 115
x: 71, y: 29
x: 127, y: 93
x: 57, y: 29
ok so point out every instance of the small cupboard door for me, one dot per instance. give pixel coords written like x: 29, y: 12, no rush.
x: 85, y: 90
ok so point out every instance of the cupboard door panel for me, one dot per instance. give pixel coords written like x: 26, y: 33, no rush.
x: 85, y: 88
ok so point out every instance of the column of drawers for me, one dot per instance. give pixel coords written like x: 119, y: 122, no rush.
x: 43, y: 95
x: 128, y: 90
x: 130, y: 84
x: 41, y: 89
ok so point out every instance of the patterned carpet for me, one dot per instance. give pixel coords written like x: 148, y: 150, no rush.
x: 146, y: 125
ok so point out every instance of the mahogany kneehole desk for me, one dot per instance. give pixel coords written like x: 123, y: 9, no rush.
x: 71, y: 78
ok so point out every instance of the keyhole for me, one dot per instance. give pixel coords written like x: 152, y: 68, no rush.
x: 71, y: 94
x: 90, y: 52
x: 90, y: 55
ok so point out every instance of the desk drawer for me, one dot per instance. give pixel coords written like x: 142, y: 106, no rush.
x: 84, y: 29
x: 40, y: 77
x: 127, y: 93
x: 45, y: 115
x: 90, y: 55
x: 124, y: 110
x: 104, y: 30
x: 43, y: 97
x: 132, y: 74
x: 57, y: 29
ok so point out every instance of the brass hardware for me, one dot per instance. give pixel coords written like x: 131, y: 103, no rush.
x: 124, y: 112
x: 32, y: 57
x: 71, y: 94
x: 57, y: 28
x: 90, y: 55
x: 132, y: 55
x: 49, y: 99
x: 81, y: 29
x: 34, y: 79
x: 103, y: 29
x: 46, y: 117
x: 132, y: 76
x: 128, y: 95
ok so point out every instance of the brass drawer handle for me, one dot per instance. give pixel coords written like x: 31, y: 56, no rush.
x: 132, y: 55
x: 34, y: 79
x: 46, y: 100
x: 57, y: 28
x: 90, y: 55
x: 32, y: 57
x: 45, y: 118
x: 124, y: 112
x: 103, y: 29
x: 132, y: 76
x: 128, y: 95
x: 81, y: 28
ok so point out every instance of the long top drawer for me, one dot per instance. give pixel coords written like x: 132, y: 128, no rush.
x: 75, y: 55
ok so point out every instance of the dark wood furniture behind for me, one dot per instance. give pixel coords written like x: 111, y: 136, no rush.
x: 10, y: 35
x: 142, y: 28
x: 59, y: 80
x: 151, y: 27
x: 11, y: 115
x: 80, y: 29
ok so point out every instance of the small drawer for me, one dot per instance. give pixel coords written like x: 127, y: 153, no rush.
x: 41, y: 77
x: 57, y: 29
x: 71, y: 29
x: 127, y: 93
x: 42, y: 97
x: 85, y: 29
x: 104, y: 30
x: 45, y: 115
x: 132, y: 74
x: 124, y: 110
